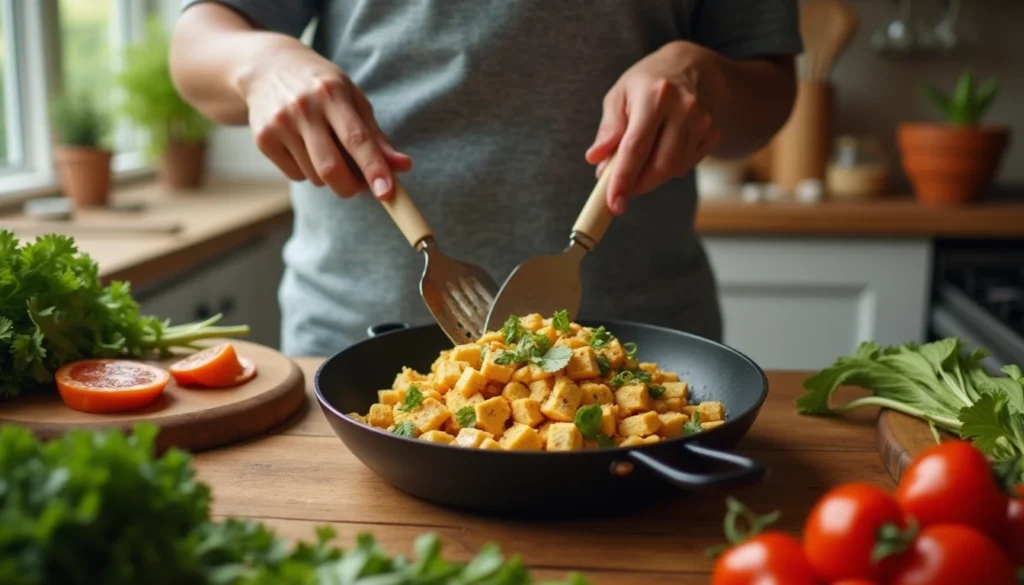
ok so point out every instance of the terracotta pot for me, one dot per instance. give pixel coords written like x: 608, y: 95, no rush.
x: 84, y: 174
x: 183, y: 165
x: 949, y: 165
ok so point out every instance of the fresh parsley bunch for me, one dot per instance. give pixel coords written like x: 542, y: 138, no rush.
x: 98, y: 508
x: 53, y: 310
x: 938, y: 382
x: 532, y: 347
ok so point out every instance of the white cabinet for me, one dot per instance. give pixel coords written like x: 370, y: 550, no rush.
x: 797, y: 304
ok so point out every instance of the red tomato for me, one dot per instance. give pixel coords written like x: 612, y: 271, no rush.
x: 952, y: 483
x: 842, y: 529
x: 770, y: 558
x: 1013, y: 537
x: 953, y: 554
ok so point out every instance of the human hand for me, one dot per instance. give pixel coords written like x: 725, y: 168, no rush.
x: 657, y: 120
x: 311, y: 120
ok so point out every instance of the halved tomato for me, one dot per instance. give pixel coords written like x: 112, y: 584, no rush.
x: 214, y: 367
x: 248, y: 372
x: 109, y: 385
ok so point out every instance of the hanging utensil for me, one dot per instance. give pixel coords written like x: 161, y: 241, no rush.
x: 827, y: 26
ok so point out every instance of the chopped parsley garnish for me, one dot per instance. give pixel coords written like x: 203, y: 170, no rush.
x: 627, y: 376
x: 604, y: 365
x: 655, y: 390
x: 692, y: 426
x: 536, y: 349
x: 405, y: 429
x: 561, y: 321
x: 588, y: 421
x: 506, y: 357
x: 604, y: 441
x: 630, y: 349
x: 512, y: 330
x: 465, y: 417
x: 483, y: 353
x: 413, y: 398
x: 599, y: 337
x: 554, y: 359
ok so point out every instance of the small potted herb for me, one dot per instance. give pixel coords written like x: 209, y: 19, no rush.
x: 953, y: 162
x: 83, y: 160
x: 177, y: 132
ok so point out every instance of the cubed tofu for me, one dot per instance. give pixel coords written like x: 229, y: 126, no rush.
x: 405, y: 377
x: 632, y: 398
x: 491, y: 445
x: 550, y: 332
x: 527, y: 411
x: 573, y: 342
x: 491, y: 390
x: 613, y: 352
x: 470, y: 382
x: 496, y: 372
x: 711, y: 424
x: 582, y: 364
x: 648, y: 367
x: 522, y: 375
x: 491, y: 415
x: 537, y: 373
x: 661, y: 376
x: 469, y: 353
x: 454, y: 401
x: 448, y: 373
x: 532, y: 322
x: 542, y: 431
x: 472, y: 437
x: 671, y: 424
x: 689, y: 411
x: 563, y: 401
x: 609, y: 419
x: 674, y: 404
x: 679, y: 390
x: 711, y: 411
x: 636, y: 441
x: 514, y: 391
x: 659, y: 406
x: 390, y: 397
x: 643, y: 424
x: 487, y: 338
x: 595, y: 393
x: 438, y: 437
x: 564, y: 436
x: 443, y: 357
x: 521, y: 437
x: 381, y: 415
x: 428, y: 416
x: 357, y: 417
x: 541, y: 389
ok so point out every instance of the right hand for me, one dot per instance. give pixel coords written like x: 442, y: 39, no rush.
x: 307, y: 117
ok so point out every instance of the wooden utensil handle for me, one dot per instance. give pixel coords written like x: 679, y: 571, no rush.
x: 595, y: 217
x: 407, y: 216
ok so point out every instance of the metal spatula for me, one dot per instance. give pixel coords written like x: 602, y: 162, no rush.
x: 547, y: 284
x: 457, y: 294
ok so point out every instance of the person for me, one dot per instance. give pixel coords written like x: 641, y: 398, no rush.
x: 498, y: 115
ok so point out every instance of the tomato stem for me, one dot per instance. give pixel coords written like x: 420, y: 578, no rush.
x: 893, y: 540
x: 752, y: 523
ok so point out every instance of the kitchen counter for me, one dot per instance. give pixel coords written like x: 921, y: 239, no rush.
x: 302, y: 475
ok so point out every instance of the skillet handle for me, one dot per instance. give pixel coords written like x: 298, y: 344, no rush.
x: 382, y: 328
x: 745, y: 471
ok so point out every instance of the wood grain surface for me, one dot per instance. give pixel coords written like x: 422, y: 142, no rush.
x: 301, y: 475
x: 901, y: 438
x: 192, y: 419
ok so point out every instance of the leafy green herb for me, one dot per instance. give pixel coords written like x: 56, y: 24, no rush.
x: 588, y: 421
x: 938, y: 382
x: 603, y: 365
x: 405, y: 429
x: 413, y: 398
x: 483, y: 353
x: 99, y: 507
x: 599, y: 337
x: 506, y: 358
x: 966, y: 106
x: 554, y: 359
x: 512, y: 330
x: 629, y: 376
x: 604, y: 441
x: 55, y: 311
x: 630, y: 348
x: 692, y: 426
x: 537, y: 349
x: 465, y: 417
x: 655, y: 390
x: 561, y: 321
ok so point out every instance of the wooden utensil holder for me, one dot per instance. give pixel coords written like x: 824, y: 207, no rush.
x: 801, y: 148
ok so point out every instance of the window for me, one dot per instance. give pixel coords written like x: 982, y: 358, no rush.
x: 53, y: 46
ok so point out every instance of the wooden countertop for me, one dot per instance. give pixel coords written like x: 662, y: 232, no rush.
x: 899, y: 217
x: 301, y: 476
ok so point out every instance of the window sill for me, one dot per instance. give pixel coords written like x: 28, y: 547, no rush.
x: 127, y: 169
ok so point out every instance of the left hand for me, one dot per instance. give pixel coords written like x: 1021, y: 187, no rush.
x: 657, y: 119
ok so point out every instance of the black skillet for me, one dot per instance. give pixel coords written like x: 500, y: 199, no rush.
x: 592, y: 481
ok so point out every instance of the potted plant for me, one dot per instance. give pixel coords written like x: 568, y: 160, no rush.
x: 952, y: 163
x: 177, y: 132
x: 83, y: 161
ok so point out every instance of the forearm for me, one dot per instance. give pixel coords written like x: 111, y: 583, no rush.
x: 749, y: 100
x: 213, y: 48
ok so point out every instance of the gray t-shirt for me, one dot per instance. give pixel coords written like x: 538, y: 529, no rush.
x: 497, y: 101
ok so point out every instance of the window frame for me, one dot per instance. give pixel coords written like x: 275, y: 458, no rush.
x: 36, y: 76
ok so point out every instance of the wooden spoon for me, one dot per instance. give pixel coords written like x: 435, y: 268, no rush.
x: 827, y: 26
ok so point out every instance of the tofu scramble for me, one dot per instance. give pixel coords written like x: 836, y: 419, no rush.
x: 541, y: 384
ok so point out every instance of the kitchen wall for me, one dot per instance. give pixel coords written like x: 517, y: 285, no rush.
x: 873, y: 93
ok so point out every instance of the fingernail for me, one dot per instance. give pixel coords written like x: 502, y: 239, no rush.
x: 619, y: 204
x: 381, y: 186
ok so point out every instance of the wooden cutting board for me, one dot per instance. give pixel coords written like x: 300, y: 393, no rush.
x: 191, y: 419
x: 900, y: 439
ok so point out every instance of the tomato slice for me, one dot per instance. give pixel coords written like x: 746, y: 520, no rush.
x: 214, y: 367
x: 102, y: 386
x: 248, y: 371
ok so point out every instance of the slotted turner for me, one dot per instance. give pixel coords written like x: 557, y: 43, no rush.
x: 457, y: 294
x: 547, y: 284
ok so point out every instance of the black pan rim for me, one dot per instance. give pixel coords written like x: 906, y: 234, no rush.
x: 324, y: 403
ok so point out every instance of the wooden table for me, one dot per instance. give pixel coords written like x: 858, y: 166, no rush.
x: 302, y: 476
